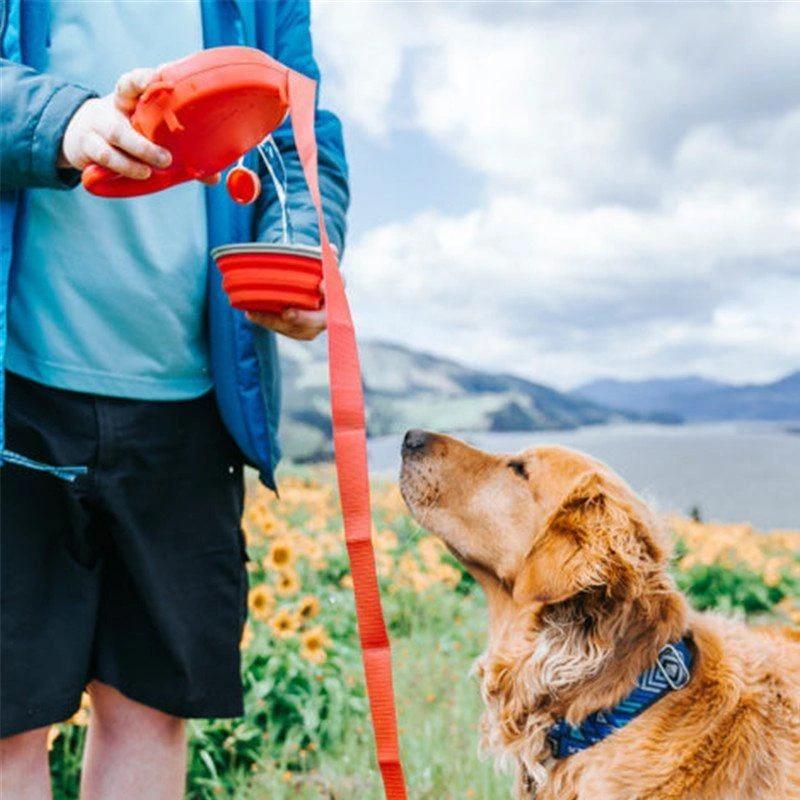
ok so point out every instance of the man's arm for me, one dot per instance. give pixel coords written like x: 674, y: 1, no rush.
x: 36, y: 110
x: 293, y: 48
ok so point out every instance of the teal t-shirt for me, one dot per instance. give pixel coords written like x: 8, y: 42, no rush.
x: 109, y: 296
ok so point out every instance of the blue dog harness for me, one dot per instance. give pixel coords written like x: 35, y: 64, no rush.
x: 672, y: 671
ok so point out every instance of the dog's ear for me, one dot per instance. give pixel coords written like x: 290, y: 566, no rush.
x: 572, y: 551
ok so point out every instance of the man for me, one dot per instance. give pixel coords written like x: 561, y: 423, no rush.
x: 134, y: 393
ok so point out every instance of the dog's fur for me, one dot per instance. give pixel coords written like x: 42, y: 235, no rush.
x: 574, y: 567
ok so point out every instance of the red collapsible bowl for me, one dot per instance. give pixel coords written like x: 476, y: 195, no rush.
x: 207, y: 110
x: 270, y: 277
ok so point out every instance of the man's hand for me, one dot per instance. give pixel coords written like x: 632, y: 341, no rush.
x: 293, y: 322
x: 100, y: 131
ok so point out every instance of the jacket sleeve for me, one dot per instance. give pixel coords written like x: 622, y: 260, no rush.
x: 35, y: 111
x: 294, y: 49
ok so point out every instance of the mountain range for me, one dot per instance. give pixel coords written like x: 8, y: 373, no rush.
x: 695, y: 399
x: 405, y: 388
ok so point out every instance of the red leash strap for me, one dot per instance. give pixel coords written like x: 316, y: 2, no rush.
x: 350, y: 448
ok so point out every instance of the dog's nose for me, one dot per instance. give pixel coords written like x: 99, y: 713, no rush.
x: 415, y: 441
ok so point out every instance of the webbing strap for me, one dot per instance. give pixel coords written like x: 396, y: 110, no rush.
x: 350, y: 449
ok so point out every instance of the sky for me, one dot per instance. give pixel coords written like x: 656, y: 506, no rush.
x: 573, y: 191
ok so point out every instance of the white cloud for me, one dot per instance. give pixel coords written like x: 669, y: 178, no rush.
x: 362, y: 45
x: 643, y: 183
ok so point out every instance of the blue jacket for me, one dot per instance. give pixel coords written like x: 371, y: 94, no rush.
x: 35, y: 110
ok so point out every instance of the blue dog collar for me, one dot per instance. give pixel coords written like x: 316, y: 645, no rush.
x: 672, y: 671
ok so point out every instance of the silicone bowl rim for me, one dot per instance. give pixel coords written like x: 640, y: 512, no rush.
x: 308, y: 251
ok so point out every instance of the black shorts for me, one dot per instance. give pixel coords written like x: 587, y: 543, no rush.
x: 134, y: 574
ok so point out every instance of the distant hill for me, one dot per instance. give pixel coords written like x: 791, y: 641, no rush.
x: 645, y: 395
x: 697, y: 399
x: 405, y: 388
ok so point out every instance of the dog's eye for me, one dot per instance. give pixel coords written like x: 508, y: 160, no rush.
x: 519, y: 468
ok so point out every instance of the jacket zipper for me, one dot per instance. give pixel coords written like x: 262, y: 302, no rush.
x: 4, y: 4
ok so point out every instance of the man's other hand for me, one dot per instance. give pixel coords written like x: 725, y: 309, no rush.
x: 293, y: 322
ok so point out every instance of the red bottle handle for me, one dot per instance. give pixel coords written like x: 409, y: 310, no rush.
x: 107, y: 183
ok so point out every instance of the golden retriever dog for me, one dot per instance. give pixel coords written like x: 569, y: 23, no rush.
x: 581, y: 603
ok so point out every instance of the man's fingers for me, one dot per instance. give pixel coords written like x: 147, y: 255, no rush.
x: 101, y: 152
x: 314, y: 320
x: 121, y: 134
x: 297, y: 324
x: 211, y: 180
x: 272, y: 321
x: 275, y: 322
x: 133, y: 83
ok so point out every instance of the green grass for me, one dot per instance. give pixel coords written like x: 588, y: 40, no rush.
x: 438, y: 709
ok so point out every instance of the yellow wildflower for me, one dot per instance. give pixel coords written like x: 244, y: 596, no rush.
x: 261, y: 601
x: 81, y: 716
x: 419, y: 581
x: 386, y: 540
x: 247, y: 636
x: 52, y: 735
x: 287, y: 583
x: 313, y: 643
x: 448, y: 575
x: 284, y: 624
x: 384, y: 563
x: 431, y: 550
x: 308, y: 607
x: 408, y: 564
x: 281, y: 554
x: 773, y: 571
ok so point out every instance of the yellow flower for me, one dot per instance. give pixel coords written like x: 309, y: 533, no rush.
x: 330, y: 543
x: 308, y: 607
x: 261, y: 601
x: 315, y: 554
x: 81, y: 716
x: 773, y: 571
x: 313, y: 643
x: 419, y: 581
x: 384, y: 563
x: 408, y: 564
x: 247, y: 636
x: 386, y: 540
x: 431, y: 549
x: 281, y: 554
x: 347, y: 581
x: 52, y: 735
x: 284, y: 624
x: 448, y: 575
x: 288, y: 583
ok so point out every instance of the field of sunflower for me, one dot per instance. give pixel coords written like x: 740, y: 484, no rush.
x: 306, y: 734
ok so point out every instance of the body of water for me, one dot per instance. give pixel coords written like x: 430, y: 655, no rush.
x: 732, y: 472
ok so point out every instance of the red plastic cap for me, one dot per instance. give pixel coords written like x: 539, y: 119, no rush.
x: 243, y: 185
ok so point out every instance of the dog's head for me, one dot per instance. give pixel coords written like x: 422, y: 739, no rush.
x: 541, y: 526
